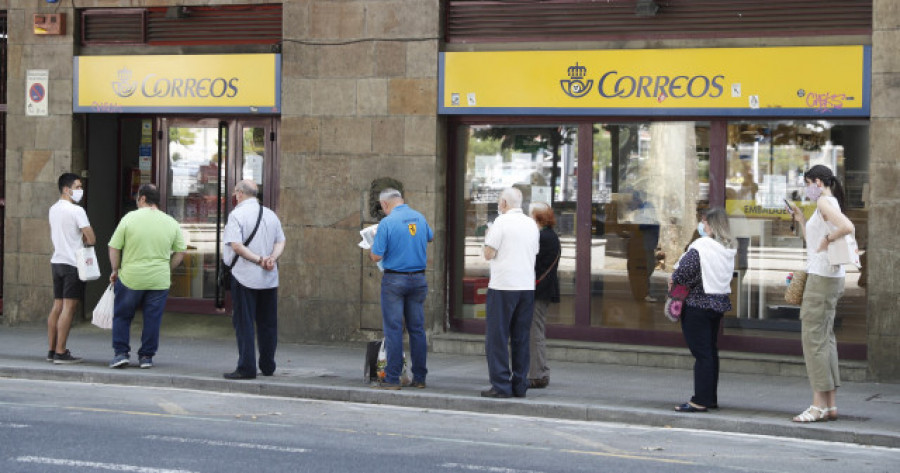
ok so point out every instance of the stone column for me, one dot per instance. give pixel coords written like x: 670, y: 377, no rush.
x: 360, y: 94
x: 38, y: 150
x: 884, y: 195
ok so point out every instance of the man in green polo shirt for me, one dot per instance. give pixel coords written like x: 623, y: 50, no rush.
x: 149, y: 244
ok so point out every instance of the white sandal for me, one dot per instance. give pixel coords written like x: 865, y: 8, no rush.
x: 812, y: 414
x: 831, y: 413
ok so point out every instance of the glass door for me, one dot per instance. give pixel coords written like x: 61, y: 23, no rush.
x: 202, y: 160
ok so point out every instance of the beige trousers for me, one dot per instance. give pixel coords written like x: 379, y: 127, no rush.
x: 817, y: 325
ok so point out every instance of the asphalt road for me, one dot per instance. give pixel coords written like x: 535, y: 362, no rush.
x: 74, y: 427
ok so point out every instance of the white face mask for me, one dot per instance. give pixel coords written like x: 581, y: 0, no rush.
x: 77, y: 194
x: 701, y: 229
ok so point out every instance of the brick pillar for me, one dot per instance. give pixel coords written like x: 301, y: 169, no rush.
x: 38, y: 150
x: 884, y: 198
x: 359, y: 103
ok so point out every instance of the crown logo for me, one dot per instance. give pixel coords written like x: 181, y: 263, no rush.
x: 575, y: 86
x: 124, y: 87
x: 577, y: 72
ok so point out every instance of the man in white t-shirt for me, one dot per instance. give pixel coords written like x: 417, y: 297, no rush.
x: 70, y: 231
x: 511, y: 246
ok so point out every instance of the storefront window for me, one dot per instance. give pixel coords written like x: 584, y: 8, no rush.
x: 765, y: 166
x: 649, y: 181
x: 541, y: 161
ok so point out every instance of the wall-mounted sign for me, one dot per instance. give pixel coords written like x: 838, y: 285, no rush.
x: 232, y: 83
x: 36, y: 99
x: 791, y: 81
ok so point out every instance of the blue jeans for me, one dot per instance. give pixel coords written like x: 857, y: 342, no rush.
x: 152, y: 303
x: 402, y: 301
x: 701, y: 333
x: 259, y: 308
x: 506, y: 336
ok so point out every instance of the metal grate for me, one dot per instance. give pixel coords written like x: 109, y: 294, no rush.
x: 108, y: 26
x: 183, y: 25
x: 470, y: 21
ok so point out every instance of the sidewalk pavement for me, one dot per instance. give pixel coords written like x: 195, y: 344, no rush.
x: 195, y: 357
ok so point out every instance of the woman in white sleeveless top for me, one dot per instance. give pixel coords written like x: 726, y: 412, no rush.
x: 824, y: 286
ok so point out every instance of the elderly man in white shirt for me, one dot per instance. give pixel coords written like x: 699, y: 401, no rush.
x: 254, y: 280
x: 511, y: 246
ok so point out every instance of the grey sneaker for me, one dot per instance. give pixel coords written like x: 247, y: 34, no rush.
x: 146, y: 362
x: 65, y: 358
x: 120, y: 361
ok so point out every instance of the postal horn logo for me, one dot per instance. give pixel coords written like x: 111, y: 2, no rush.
x: 575, y: 86
x: 124, y: 87
x: 412, y: 229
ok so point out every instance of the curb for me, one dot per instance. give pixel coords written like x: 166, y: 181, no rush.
x: 751, y: 422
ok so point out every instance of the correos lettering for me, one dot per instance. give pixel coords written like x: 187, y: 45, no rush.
x: 218, y: 87
x: 612, y: 85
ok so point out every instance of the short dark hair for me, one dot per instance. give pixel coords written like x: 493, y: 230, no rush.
x: 67, y: 180
x: 150, y: 194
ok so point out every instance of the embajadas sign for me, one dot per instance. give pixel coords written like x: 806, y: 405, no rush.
x: 790, y: 81
x: 233, y: 83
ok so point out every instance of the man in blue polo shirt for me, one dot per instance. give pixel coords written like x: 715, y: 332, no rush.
x: 400, y: 244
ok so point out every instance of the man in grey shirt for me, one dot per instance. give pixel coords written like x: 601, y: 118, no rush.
x: 254, y: 280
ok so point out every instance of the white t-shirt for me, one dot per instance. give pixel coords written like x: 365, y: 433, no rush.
x: 516, y: 238
x: 66, y: 222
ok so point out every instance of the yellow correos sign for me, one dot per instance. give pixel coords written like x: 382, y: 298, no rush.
x: 788, y: 81
x: 233, y: 83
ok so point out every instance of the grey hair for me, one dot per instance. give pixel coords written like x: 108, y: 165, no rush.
x: 512, y: 196
x: 246, y: 188
x: 389, y: 194
x: 537, y: 206
x: 717, y: 219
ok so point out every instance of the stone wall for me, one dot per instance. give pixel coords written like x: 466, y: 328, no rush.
x: 359, y: 103
x: 38, y: 150
x: 884, y: 198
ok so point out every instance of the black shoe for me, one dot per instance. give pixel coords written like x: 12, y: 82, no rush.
x: 65, y: 358
x: 690, y: 407
x: 518, y: 394
x: 268, y: 373
x: 495, y: 394
x: 415, y: 384
x: 238, y: 375
x: 50, y: 355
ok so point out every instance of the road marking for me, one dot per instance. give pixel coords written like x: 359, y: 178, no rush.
x: 491, y: 469
x: 102, y: 466
x: 14, y: 426
x: 201, y: 417
x: 536, y: 448
x: 172, y: 408
x: 220, y: 443
x: 628, y: 457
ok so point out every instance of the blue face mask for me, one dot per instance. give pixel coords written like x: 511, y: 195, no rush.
x: 701, y: 230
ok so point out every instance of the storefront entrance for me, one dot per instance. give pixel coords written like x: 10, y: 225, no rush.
x: 195, y: 162
x: 202, y: 160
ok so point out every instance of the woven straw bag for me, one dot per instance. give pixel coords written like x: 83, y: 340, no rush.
x: 794, y: 293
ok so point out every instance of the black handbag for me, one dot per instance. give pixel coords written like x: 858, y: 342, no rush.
x: 224, y: 269
x: 370, y: 368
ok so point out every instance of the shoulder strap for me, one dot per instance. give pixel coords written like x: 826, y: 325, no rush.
x: 551, y: 267
x: 249, y: 238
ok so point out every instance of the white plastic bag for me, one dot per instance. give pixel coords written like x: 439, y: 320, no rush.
x: 86, y: 260
x: 382, y: 365
x: 103, y: 313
